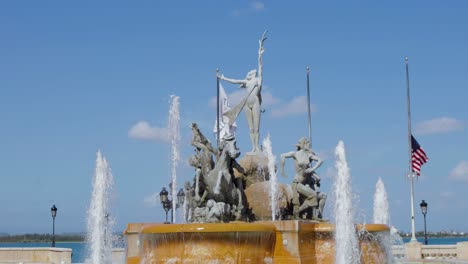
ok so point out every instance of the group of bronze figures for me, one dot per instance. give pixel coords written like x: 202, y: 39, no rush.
x: 217, y: 193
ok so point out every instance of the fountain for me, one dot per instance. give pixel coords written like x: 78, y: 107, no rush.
x: 382, y: 216
x: 273, y: 180
x: 381, y: 208
x: 236, y: 212
x: 174, y: 137
x: 100, y: 224
x: 347, y: 250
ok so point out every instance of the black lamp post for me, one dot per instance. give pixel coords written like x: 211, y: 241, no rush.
x: 180, y: 197
x: 53, y: 211
x: 423, y: 205
x: 167, y: 203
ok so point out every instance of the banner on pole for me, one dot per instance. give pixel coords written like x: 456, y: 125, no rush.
x: 224, y: 107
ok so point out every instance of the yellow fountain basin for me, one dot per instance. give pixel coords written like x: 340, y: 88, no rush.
x: 276, y: 242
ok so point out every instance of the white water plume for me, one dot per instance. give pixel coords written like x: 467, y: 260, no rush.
x: 347, y: 251
x: 267, y: 149
x: 100, y: 224
x: 381, y: 208
x: 174, y: 134
x: 382, y: 216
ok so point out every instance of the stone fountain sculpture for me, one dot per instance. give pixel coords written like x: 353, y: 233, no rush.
x: 217, y: 195
x: 222, y: 184
x: 253, y: 100
x: 308, y: 202
x: 215, y: 202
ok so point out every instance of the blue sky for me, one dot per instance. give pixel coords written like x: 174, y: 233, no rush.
x: 77, y: 77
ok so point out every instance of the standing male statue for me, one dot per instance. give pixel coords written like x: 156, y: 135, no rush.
x: 252, y: 102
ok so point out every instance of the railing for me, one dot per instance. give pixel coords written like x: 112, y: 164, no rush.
x: 457, y: 252
x: 398, y: 252
x: 439, y: 251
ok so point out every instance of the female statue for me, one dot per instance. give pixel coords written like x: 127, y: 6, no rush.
x: 306, y: 182
x: 252, y: 102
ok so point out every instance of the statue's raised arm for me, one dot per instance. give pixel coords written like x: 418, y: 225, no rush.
x: 261, y: 50
x: 241, y: 82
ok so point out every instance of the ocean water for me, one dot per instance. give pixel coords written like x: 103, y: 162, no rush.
x: 438, y: 240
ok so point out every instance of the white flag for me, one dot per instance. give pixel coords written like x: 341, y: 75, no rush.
x: 224, y: 106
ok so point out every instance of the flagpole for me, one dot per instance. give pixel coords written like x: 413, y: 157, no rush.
x: 308, y: 106
x: 217, y: 107
x: 410, y: 172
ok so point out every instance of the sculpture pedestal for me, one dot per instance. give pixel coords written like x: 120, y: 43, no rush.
x: 256, y: 169
x: 276, y: 242
x: 258, y: 195
x: 462, y: 250
x: 413, y: 251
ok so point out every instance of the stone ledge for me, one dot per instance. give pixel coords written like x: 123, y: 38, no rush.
x: 53, y: 249
x: 35, y: 255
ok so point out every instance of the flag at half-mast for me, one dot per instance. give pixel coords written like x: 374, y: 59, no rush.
x: 224, y: 107
x: 418, y: 156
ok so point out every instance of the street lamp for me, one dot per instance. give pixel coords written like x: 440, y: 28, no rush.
x: 180, y: 197
x: 167, y: 203
x: 423, y: 205
x: 53, y: 211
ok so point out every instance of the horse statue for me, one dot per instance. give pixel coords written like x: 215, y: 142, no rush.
x: 221, y: 184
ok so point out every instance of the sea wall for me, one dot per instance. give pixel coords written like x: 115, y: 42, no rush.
x: 118, y: 255
x: 48, y: 255
x: 420, y: 252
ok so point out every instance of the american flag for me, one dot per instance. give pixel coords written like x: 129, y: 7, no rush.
x: 418, y: 156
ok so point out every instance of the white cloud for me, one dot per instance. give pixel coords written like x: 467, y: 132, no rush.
x: 460, y: 172
x: 325, y: 155
x: 234, y: 97
x: 257, y: 5
x: 297, y: 106
x: 268, y: 99
x: 438, y: 126
x: 144, y: 131
x: 446, y: 194
x: 152, y: 200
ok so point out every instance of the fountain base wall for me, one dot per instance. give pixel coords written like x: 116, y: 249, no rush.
x: 276, y: 242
